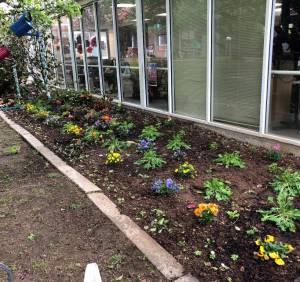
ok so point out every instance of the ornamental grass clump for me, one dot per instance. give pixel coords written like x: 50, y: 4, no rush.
x: 113, y: 158
x: 72, y: 128
x: 185, y: 170
x: 269, y: 248
x: 206, y: 213
x: 165, y: 187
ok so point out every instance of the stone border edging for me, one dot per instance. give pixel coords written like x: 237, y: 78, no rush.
x: 154, y: 252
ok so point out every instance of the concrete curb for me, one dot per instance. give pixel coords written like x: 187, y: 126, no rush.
x: 155, y: 253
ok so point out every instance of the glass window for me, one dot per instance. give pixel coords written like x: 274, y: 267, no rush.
x: 108, y: 48
x: 238, y: 56
x: 92, y: 50
x: 189, y: 39
x: 129, y: 63
x: 78, y: 47
x: 285, y: 86
x: 57, y: 53
x: 65, y: 33
x: 156, y: 41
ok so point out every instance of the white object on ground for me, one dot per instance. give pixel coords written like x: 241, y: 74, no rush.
x: 92, y: 273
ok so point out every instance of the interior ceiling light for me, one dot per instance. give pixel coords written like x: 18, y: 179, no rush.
x: 162, y: 15
x: 126, y: 5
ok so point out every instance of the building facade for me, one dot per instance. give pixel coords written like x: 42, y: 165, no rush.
x: 233, y: 64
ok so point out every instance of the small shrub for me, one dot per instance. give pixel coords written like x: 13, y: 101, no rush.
x: 150, y: 133
x: 151, y: 160
x: 185, y: 170
x: 217, y: 189
x: 206, y: 213
x: 270, y: 249
x: 283, y: 214
x: 71, y: 128
x: 177, y: 143
x: 165, y: 187
x: 113, y: 158
x: 230, y: 160
x: 115, y: 144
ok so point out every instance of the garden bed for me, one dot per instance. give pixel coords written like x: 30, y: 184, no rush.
x: 222, y: 250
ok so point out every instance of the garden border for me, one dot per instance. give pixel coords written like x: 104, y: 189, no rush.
x: 155, y: 253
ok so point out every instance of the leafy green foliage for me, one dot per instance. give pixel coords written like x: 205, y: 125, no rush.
x: 92, y: 135
x: 177, y: 143
x: 213, y: 146
x: 160, y: 222
x: 283, y: 214
x: 231, y: 160
x: 217, y: 189
x: 122, y: 128
x: 115, y: 144
x: 252, y: 231
x: 151, y: 160
x: 150, y: 133
x: 14, y: 149
x: 289, y: 181
x: 233, y: 214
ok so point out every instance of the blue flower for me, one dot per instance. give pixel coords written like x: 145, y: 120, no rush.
x: 169, y: 183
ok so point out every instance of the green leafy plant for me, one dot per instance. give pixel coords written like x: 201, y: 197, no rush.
x: 92, y: 135
x: 217, y: 189
x: 115, y: 261
x: 234, y: 257
x: 31, y: 237
x: 233, y: 214
x: 115, y: 144
x: 160, y: 222
x: 274, y: 168
x: 252, y: 231
x: 288, y: 181
x: 197, y: 253
x: 72, y: 128
x: 283, y: 214
x: 177, y: 143
x: 14, y: 149
x: 122, y: 128
x: 150, y: 133
x: 151, y: 160
x: 213, y: 146
x: 230, y: 160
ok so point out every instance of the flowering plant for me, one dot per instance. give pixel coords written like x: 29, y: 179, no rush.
x: 72, y: 128
x: 206, y: 212
x: 42, y: 114
x: 145, y: 145
x: 104, y: 122
x: 106, y: 118
x: 92, y: 135
x: 30, y: 108
x: 270, y: 249
x: 165, y: 187
x: 113, y: 158
x: 185, y: 170
x: 275, y: 153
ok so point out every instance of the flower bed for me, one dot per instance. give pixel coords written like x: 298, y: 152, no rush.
x: 200, y: 195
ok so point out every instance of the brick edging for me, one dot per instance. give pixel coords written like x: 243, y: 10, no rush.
x: 154, y: 252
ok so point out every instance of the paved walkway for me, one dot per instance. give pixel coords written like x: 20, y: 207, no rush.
x: 49, y: 230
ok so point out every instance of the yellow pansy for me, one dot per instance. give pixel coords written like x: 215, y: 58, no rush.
x: 258, y: 242
x: 274, y: 255
x: 279, y: 261
x: 262, y: 249
x: 269, y: 239
x: 290, y: 247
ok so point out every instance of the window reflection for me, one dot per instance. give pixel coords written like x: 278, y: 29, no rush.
x: 92, y: 50
x: 285, y: 87
x: 78, y: 52
x: 108, y: 48
x: 65, y: 33
x: 156, y: 53
x: 129, y: 63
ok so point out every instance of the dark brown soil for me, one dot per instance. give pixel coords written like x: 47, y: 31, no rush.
x: 67, y: 230
x: 129, y: 186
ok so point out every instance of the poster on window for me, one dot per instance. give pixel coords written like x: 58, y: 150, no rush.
x: 152, y: 74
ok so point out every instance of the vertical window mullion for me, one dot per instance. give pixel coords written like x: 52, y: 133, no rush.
x: 171, y: 107
x: 85, y: 66
x: 98, y: 39
x: 209, y: 60
x: 63, y: 66
x: 141, y: 52
x: 117, y: 49
x: 72, y: 51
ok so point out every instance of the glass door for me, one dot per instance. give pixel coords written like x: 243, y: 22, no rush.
x: 285, y: 75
